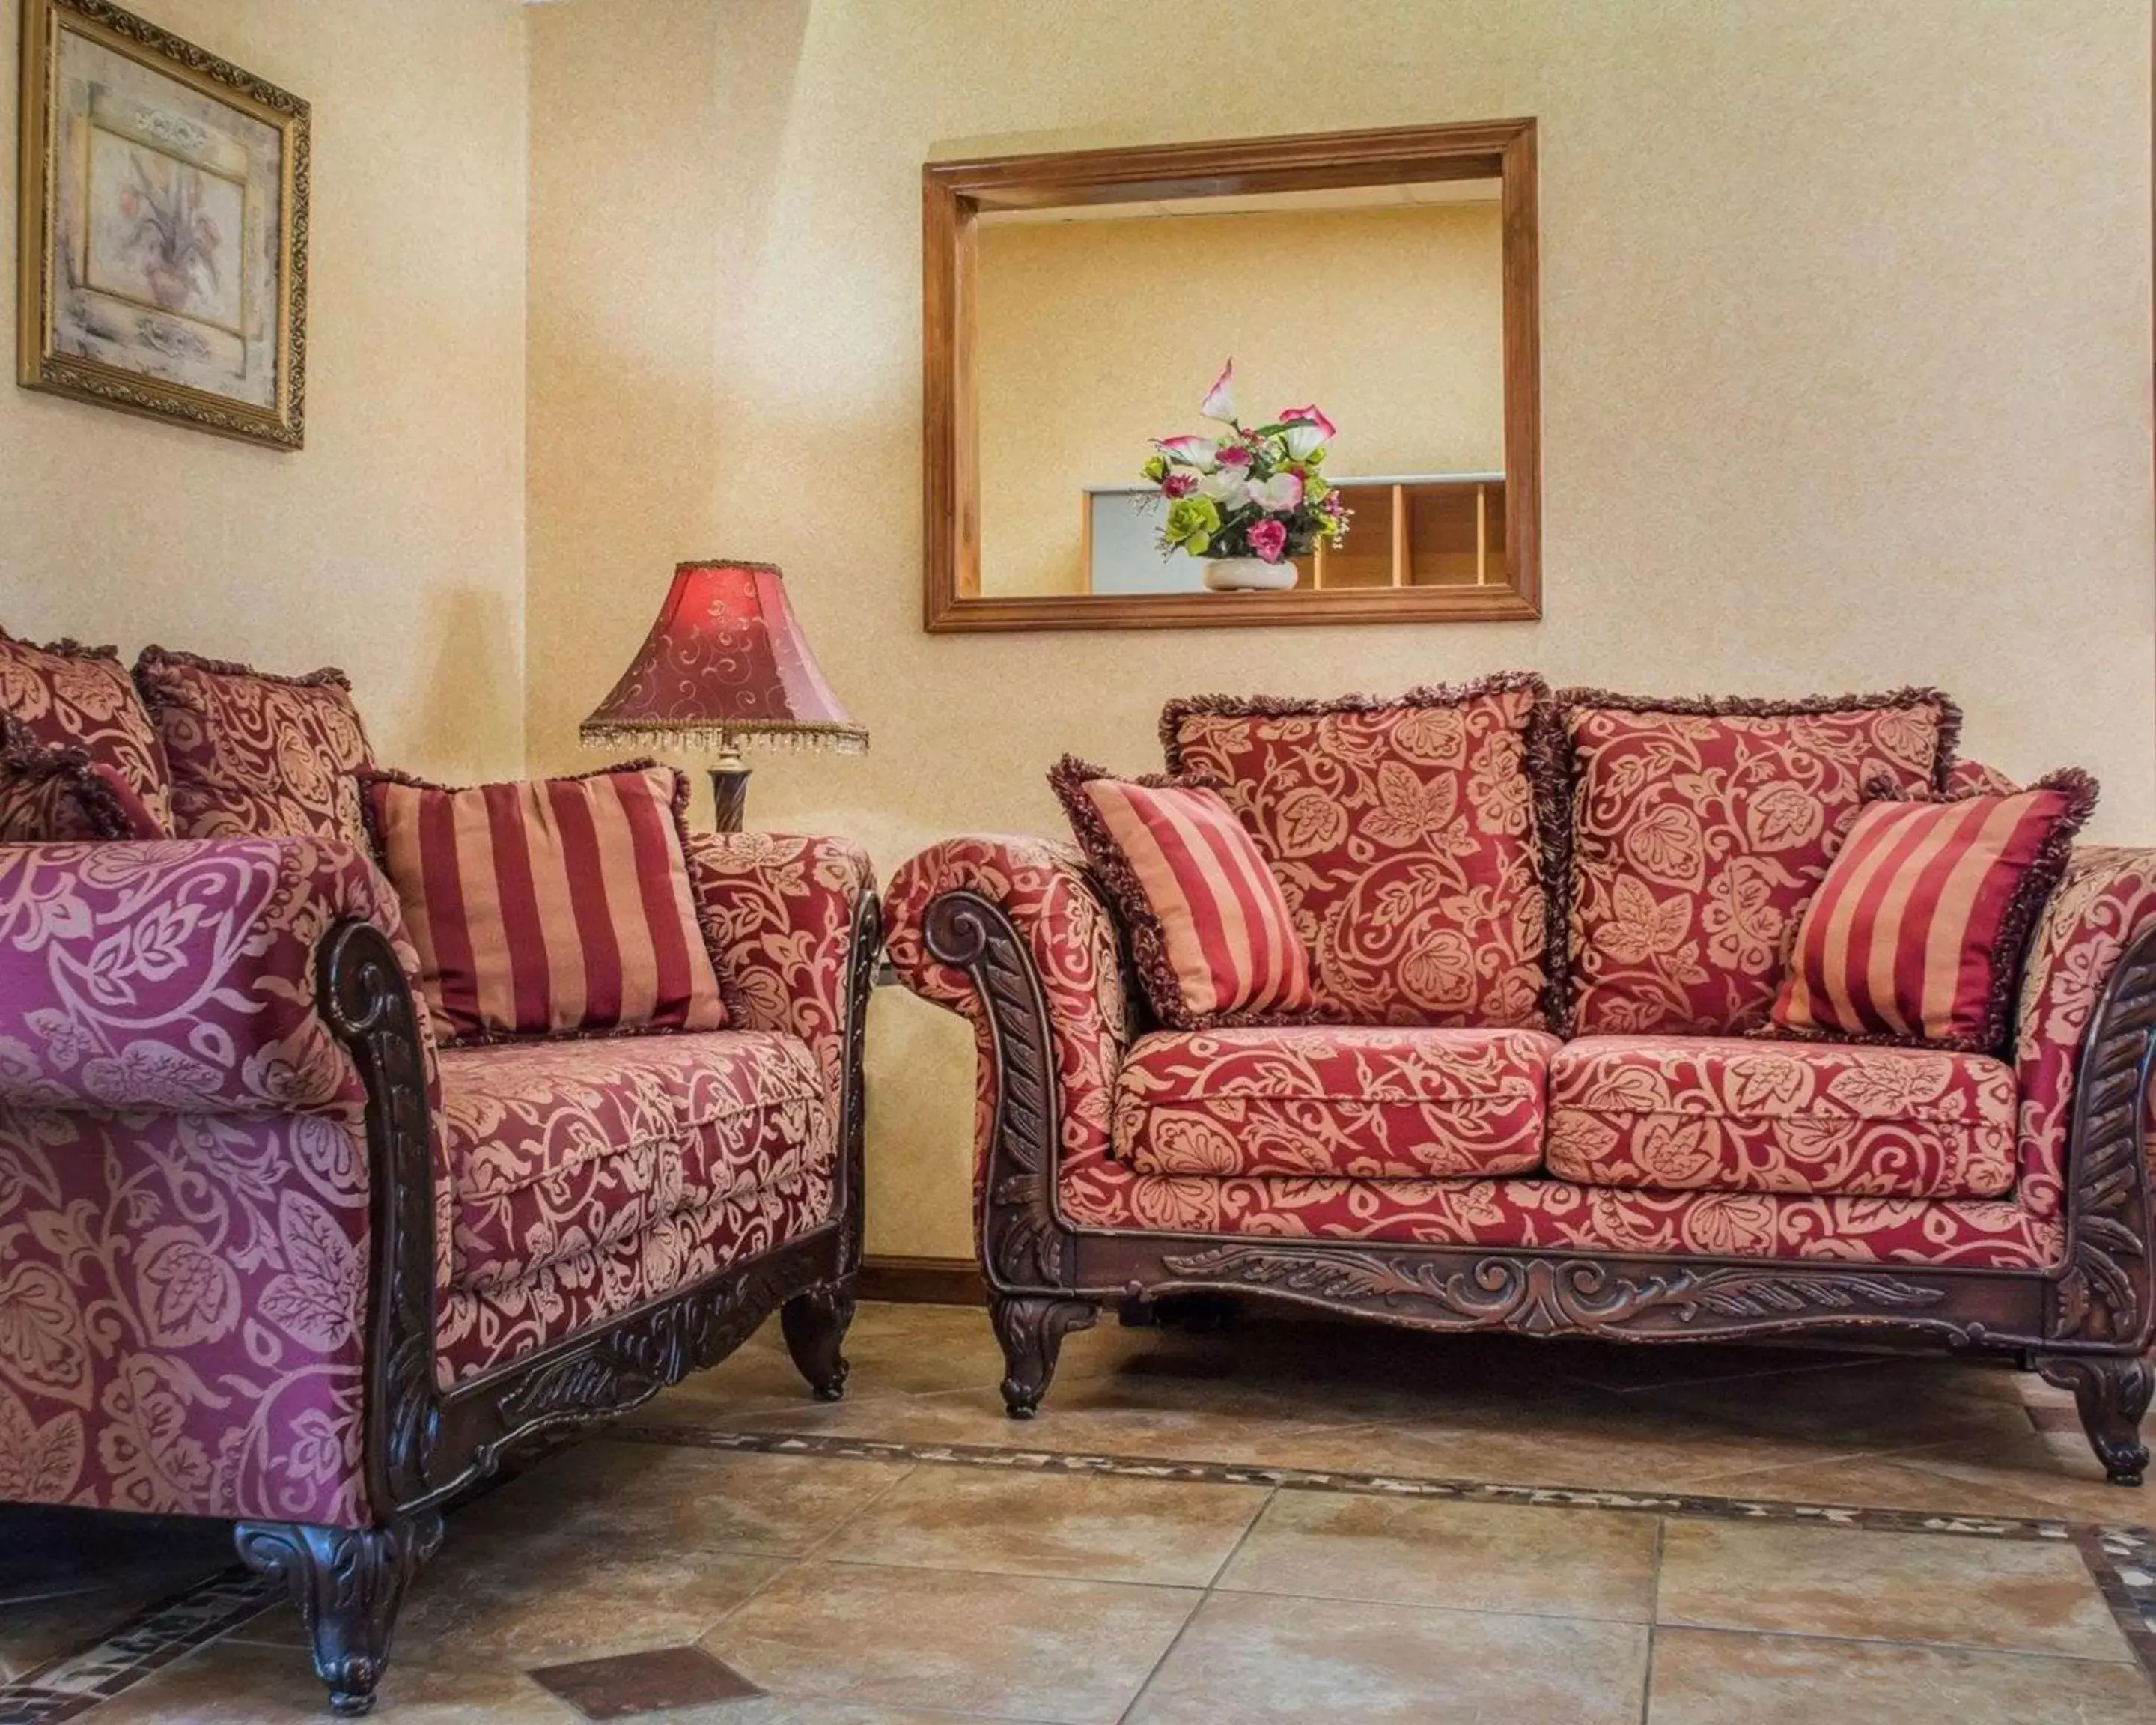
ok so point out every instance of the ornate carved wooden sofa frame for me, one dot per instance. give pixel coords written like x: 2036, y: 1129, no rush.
x: 425, y: 1446
x: 2084, y: 1323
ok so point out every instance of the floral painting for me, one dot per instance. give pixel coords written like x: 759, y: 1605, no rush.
x: 171, y: 226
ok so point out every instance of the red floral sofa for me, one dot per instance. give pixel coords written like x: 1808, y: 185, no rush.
x: 270, y: 1251
x: 1545, y: 932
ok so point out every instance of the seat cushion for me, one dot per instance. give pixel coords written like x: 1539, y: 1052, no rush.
x: 561, y: 1148
x: 1406, y: 836
x: 1681, y: 1113
x: 1364, y: 1103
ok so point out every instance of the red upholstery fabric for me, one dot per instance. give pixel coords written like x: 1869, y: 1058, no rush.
x: 1968, y: 778
x: 55, y: 792
x: 1070, y: 935
x: 1405, y: 836
x: 183, y: 1183
x: 559, y: 1149
x: 780, y: 909
x: 1678, y: 1113
x: 558, y: 905
x: 253, y: 752
x: 179, y: 976
x: 1916, y: 933
x: 2106, y: 899
x: 1988, y: 1234
x: 1699, y: 830
x: 70, y: 695
x: 1210, y: 935
x: 481, y: 1327
x: 1405, y: 1103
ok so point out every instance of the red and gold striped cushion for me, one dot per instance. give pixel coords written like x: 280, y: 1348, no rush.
x: 558, y: 906
x: 1916, y: 932
x: 1211, y: 933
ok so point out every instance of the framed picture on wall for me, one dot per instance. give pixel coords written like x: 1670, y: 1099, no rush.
x: 163, y: 238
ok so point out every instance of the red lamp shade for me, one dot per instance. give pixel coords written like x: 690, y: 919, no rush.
x: 726, y: 661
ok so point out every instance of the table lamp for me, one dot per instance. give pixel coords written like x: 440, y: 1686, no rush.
x: 724, y: 664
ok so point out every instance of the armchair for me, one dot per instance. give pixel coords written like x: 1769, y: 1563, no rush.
x: 241, y: 1262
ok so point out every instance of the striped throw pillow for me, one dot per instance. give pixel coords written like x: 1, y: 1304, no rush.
x: 1916, y: 933
x: 1210, y: 932
x: 552, y: 907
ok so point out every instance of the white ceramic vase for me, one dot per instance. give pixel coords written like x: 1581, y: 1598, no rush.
x: 1248, y: 575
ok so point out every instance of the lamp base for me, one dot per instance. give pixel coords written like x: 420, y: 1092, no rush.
x: 729, y: 793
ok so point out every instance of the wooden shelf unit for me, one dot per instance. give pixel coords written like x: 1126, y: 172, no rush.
x: 1415, y: 529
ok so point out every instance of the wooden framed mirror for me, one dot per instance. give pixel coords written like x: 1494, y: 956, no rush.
x: 1075, y: 306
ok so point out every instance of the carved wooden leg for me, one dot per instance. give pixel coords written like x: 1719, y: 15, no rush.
x: 2112, y: 1391
x: 1031, y: 1327
x: 348, y: 1583
x: 814, y: 1326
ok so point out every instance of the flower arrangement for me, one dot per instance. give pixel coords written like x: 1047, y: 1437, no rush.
x: 1259, y: 491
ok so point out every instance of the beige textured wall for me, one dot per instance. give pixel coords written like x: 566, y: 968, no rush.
x: 393, y: 544
x: 1846, y: 327
x: 1096, y: 336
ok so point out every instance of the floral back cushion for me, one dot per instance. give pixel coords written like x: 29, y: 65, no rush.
x: 252, y: 754
x: 70, y: 697
x: 1699, y: 830
x: 1408, y: 836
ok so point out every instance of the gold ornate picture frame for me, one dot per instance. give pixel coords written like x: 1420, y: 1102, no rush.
x: 163, y: 234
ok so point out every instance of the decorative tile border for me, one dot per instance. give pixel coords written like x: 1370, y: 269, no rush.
x: 75, y: 1683
x: 1301, y: 1479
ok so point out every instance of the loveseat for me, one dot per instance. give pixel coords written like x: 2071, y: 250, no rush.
x: 1541, y: 1091
x: 272, y: 1248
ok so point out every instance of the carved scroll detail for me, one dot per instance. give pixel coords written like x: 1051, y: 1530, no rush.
x: 1550, y: 1296
x: 1022, y: 1245
x: 2106, y: 1294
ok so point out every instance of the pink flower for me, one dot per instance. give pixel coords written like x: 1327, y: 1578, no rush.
x: 1178, y: 484
x: 1220, y: 403
x: 1307, y: 429
x: 1190, y: 451
x: 1269, y: 539
x: 1234, y: 456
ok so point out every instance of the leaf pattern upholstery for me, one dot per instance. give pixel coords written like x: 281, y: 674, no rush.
x: 1062, y: 915
x: 1699, y: 831
x: 252, y: 752
x: 559, y: 1147
x: 183, y: 1191
x: 184, y: 1201
x: 1677, y: 1113
x: 1978, y: 1232
x: 1373, y: 1103
x: 68, y: 695
x: 2105, y: 901
x: 481, y: 1327
x: 1405, y: 835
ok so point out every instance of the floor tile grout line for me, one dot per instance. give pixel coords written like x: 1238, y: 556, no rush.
x: 1653, y: 1618
x: 1205, y: 1595
x: 791, y: 1561
x: 2127, y: 1658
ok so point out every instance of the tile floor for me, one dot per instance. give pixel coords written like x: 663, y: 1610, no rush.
x: 1274, y: 1522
